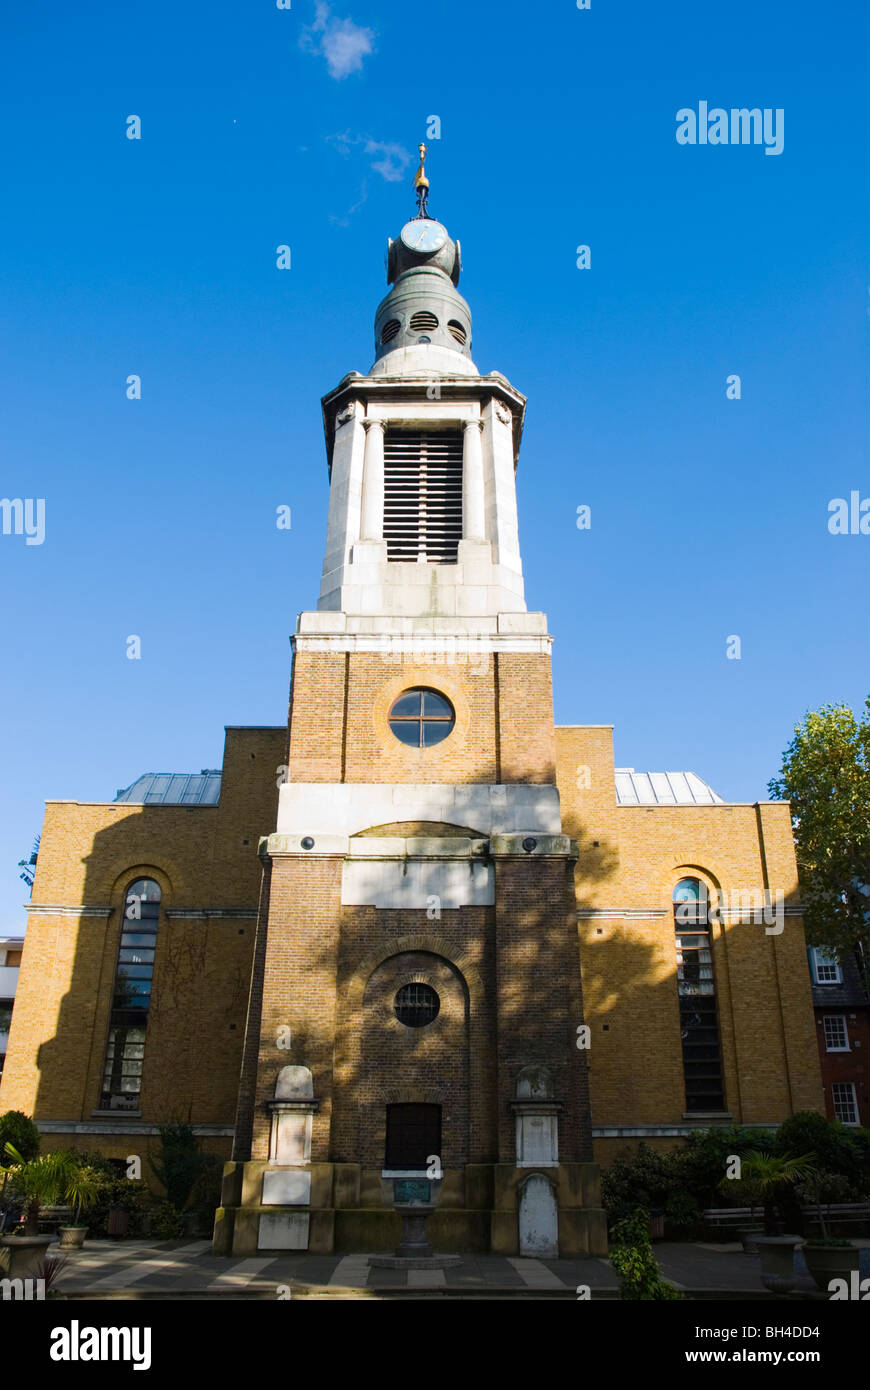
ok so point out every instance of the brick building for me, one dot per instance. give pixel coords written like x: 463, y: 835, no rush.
x: 843, y: 1030
x: 471, y: 948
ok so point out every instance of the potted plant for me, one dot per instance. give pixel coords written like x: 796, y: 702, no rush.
x: 39, y: 1182
x: 771, y: 1175
x: 828, y: 1257
x: 82, y: 1188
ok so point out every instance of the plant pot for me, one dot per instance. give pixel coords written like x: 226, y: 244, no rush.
x: 22, y: 1256
x: 748, y: 1235
x: 777, y: 1261
x: 827, y: 1262
x: 72, y: 1237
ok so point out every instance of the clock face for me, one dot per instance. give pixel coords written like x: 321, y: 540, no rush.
x: 424, y: 236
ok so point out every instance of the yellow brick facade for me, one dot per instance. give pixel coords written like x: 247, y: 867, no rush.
x: 631, y: 857
x: 205, y: 860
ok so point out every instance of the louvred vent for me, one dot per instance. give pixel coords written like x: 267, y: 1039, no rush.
x: 389, y: 330
x: 423, y: 321
x: 423, y: 495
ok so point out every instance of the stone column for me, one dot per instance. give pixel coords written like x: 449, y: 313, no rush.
x: 473, y: 516
x: 373, y: 482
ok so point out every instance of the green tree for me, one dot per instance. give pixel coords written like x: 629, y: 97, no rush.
x: 825, y: 774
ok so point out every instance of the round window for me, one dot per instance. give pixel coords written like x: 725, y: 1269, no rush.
x: 421, y: 718
x: 416, y: 1005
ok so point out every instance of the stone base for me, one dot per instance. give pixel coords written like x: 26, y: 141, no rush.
x: 478, y: 1211
x: 414, y: 1262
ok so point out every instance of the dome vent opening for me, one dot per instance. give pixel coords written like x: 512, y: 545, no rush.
x: 457, y: 331
x: 389, y: 330
x: 423, y: 321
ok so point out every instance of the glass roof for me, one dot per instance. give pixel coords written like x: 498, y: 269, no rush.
x: 663, y: 789
x: 174, y: 788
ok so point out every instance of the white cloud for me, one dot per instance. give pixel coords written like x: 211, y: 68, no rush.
x: 386, y: 158
x: 392, y: 161
x: 341, y: 42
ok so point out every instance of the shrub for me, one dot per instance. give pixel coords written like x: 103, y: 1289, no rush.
x: 836, y: 1148
x: 136, y: 1200
x: 167, y: 1223
x: 647, y: 1179
x: 206, y: 1195
x: 703, y: 1159
x: 682, y: 1210
x: 631, y: 1255
x: 18, y: 1129
x: 177, y: 1163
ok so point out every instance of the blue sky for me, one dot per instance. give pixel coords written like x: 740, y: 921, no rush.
x: 262, y: 127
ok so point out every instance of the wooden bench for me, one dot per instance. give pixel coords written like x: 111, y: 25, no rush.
x: 836, y: 1214
x: 728, y: 1219
x: 51, y: 1217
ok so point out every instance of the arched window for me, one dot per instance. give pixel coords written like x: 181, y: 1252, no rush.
x: 699, y: 1025
x: 131, y: 997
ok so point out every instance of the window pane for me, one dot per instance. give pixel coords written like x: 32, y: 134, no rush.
x: 406, y: 732
x: 435, y: 733
x: 407, y: 705
x: 436, y: 704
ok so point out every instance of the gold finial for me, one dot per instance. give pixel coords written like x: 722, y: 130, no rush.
x: 420, y: 179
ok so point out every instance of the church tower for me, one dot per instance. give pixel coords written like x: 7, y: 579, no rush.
x: 416, y: 1010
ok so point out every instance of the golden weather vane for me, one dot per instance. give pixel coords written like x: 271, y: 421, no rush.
x: 421, y: 183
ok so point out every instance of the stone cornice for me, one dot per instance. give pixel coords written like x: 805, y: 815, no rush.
x: 372, y: 388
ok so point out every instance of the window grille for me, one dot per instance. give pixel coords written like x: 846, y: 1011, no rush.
x: 836, y: 1036
x: 131, y: 997
x: 696, y: 991
x: 827, y: 970
x: 845, y: 1105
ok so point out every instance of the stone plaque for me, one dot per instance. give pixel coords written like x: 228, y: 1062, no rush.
x: 284, y: 1232
x: 411, y: 1190
x: 283, y: 1188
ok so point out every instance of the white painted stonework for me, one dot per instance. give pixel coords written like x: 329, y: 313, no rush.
x: 286, y: 1187
x: 290, y: 1139
x: 284, y: 1231
x: 538, y: 1219
x: 337, y: 809
x: 537, y: 1138
x: 294, y: 1083
x: 413, y: 883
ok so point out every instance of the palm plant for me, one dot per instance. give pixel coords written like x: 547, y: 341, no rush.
x: 49, y: 1180
x: 82, y: 1189
x: 39, y: 1181
x: 766, y: 1176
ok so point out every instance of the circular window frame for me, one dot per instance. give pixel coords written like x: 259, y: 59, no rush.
x: 426, y: 990
x: 422, y: 719
x: 415, y: 674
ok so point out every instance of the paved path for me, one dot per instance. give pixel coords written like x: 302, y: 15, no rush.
x: 109, y: 1268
